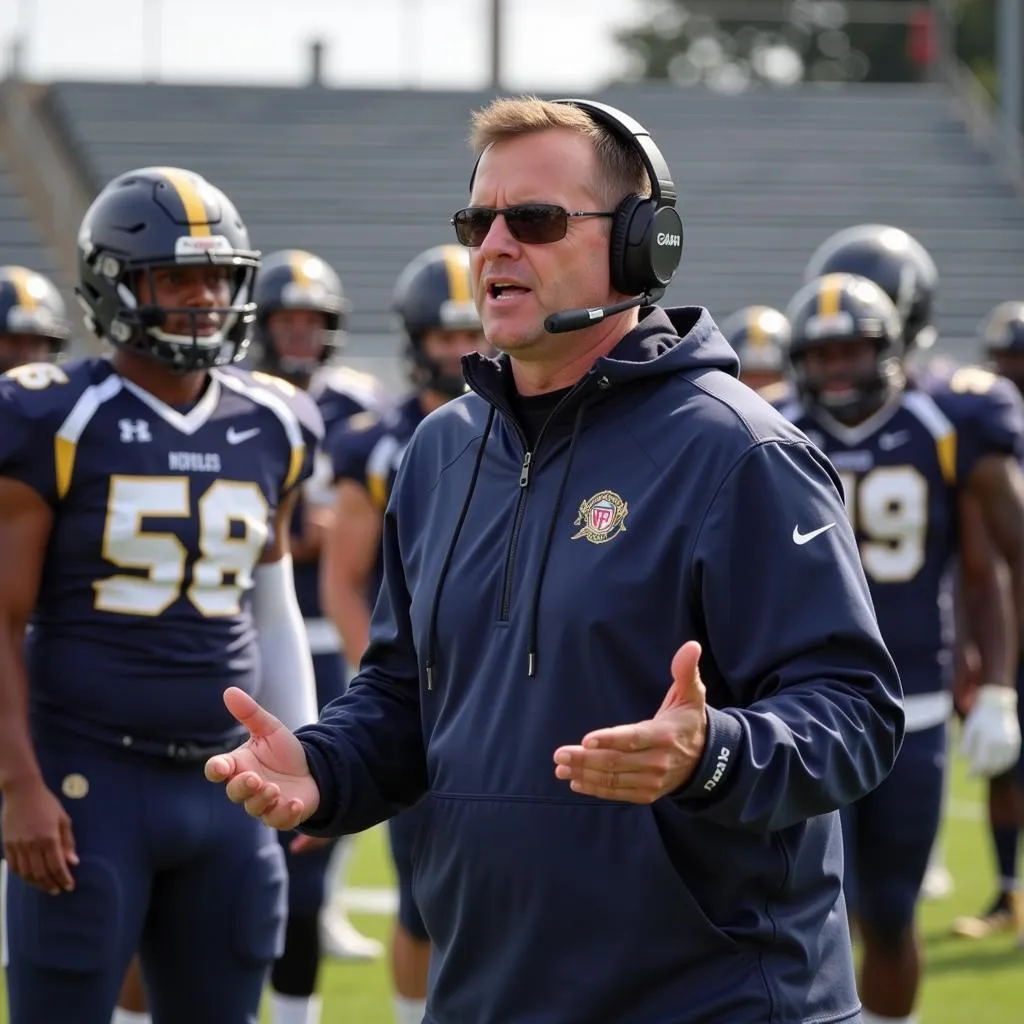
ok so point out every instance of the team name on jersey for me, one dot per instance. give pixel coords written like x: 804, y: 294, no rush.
x: 195, y: 462
x: 857, y: 461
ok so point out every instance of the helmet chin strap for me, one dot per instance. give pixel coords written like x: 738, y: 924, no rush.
x: 869, y: 394
x: 428, y: 375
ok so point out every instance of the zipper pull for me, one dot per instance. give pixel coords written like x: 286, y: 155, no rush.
x: 524, y: 476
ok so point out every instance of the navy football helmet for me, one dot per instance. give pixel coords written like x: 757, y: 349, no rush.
x: 30, y: 307
x: 896, y: 262
x: 153, y: 218
x: 845, y: 308
x: 434, y: 292
x: 759, y: 335
x: 1003, y: 329
x: 295, y: 279
x: 1002, y: 337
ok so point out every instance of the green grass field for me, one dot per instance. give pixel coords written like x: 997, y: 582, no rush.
x: 965, y: 982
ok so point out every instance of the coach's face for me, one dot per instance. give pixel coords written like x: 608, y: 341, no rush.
x: 516, y: 283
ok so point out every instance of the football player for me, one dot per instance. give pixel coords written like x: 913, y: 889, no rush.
x: 760, y: 334
x: 144, y: 508
x: 299, y: 331
x: 907, y: 458
x: 434, y: 303
x: 301, y: 314
x: 1002, y: 339
x: 904, y: 269
x: 33, y: 324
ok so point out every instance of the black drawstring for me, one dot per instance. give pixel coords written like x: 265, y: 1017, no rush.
x: 449, y: 554
x: 531, y: 637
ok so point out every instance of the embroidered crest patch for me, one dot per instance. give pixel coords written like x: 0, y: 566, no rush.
x: 601, y: 517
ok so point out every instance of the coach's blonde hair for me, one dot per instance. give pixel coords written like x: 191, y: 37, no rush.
x: 621, y: 169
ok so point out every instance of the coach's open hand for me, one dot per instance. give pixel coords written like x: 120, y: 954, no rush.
x: 267, y: 774
x: 643, y: 762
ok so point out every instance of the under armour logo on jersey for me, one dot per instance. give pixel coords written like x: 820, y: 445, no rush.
x: 134, y: 430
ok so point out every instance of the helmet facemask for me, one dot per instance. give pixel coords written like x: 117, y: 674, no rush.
x: 865, y: 391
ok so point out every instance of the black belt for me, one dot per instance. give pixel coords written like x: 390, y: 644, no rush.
x: 178, y: 751
x: 184, y: 752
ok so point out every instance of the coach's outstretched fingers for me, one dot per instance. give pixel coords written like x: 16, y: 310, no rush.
x: 644, y: 761
x: 268, y: 773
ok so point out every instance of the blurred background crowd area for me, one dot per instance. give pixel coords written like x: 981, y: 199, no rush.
x: 340, y: 127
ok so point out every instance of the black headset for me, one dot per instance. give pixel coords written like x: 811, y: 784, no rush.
x: 647, y: 233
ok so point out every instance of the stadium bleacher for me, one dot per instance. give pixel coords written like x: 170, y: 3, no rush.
x: 367, y: 178
x: 20, y: 240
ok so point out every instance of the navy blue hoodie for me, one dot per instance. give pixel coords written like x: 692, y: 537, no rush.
x: 527, y: 601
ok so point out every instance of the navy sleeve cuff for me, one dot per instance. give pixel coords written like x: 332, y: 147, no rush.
x: 319, y: 823
x: 719, y: 762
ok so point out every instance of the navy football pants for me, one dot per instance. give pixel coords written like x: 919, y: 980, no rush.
x: 888, y: 835
x: 168, y: 866
x: 402, y: 831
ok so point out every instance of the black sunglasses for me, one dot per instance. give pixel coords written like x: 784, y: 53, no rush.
x: 532, y: 223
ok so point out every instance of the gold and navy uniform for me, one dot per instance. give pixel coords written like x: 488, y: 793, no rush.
x: 901, y: 472
x: 160, y: 517
x: 369, y: 450
x: 340, y: 393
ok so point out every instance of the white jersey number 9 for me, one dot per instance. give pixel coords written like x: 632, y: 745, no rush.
x: 888, y: 507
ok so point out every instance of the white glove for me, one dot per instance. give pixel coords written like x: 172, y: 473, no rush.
x: 991, y: 734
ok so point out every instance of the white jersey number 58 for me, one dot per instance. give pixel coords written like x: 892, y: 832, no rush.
x: 233, y: 530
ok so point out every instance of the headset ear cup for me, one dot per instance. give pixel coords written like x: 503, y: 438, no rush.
x: 618, y: 248
x: 640, y: 275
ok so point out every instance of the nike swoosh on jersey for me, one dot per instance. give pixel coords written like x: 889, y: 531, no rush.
x: 889, y: 441
x: 238, y: 436
x: 803, y: 538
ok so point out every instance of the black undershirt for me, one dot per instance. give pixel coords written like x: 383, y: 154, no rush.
x: 533, y: 411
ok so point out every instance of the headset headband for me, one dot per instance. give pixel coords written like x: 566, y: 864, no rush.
x: 633, y: 133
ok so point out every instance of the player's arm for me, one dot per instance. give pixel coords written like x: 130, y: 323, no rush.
x: 985, y: 601
x: 991, y: 733
x: 350, y: 553
x: 288, y: 688
x: 996, y: 485
x: 307, y: 542
x: 314, y: 514
x: 810, y: 714
x: 966, y: 660
x: 366, y: 754
x: 38, y: 843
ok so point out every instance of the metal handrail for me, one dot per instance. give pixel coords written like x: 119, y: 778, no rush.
x: 984, y: 122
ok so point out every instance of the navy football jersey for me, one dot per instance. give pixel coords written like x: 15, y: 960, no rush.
x: 901, y: 472
x: 340, y: 392
x: 369, y: 450
x: 160, y: 517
